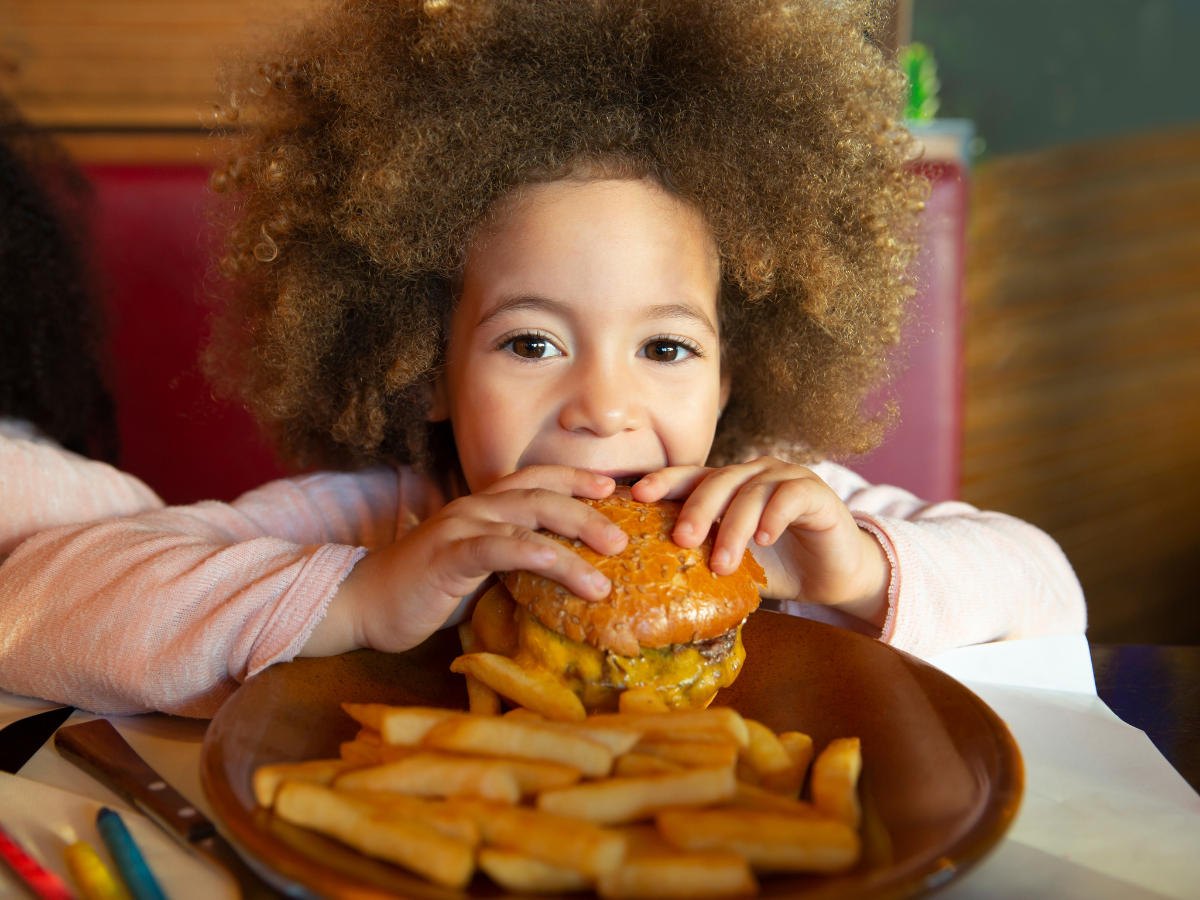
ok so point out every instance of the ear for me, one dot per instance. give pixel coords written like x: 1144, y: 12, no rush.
x: 726, y: 386
x: 439, y: 399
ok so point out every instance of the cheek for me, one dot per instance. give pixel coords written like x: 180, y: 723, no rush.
x: 687, y: 421
x: 490, y: 422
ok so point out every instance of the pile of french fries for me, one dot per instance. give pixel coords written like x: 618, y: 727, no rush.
x: 631, y: 805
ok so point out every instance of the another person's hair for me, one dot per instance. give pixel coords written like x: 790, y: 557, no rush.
x: 380, y: 133
x: 50, y: 325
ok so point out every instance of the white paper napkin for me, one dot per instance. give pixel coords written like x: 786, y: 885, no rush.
x: 1104, y: 814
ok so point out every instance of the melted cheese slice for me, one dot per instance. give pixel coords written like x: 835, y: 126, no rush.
x: 678, y: 673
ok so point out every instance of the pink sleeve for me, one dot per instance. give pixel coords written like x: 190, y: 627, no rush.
x: 961, y: 576
x: 43, y: 486
x: 169, y: 610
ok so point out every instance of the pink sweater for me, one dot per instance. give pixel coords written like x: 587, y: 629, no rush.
x: 169, y: 609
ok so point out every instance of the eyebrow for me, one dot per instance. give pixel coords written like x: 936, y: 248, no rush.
x: 523, y: 301
x: 685, y: 311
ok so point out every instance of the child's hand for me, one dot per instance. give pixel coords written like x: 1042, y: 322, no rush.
x: 397, y: 596
x: 808, y: 541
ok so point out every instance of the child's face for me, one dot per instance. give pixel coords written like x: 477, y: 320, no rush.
x: 586, y: 335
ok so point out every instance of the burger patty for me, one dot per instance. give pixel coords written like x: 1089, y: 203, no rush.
x: 715, y: 650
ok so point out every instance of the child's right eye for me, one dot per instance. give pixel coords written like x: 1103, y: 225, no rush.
x: 531, y: 346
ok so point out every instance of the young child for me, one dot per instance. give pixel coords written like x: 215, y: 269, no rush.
x: 495, y: 256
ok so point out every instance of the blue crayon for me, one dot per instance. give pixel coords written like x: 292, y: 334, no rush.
x: 125, y: 853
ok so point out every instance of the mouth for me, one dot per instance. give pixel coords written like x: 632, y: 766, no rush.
x: 624, y: 479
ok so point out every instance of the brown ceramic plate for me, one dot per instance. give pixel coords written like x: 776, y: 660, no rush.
x: 942, y: 776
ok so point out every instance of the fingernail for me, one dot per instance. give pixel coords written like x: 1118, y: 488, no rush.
x: 544, y: 556
x: 684, y: 529
x: 613, y: 533
x: 599, y: 582
x: 762, y: 537
x: 601, y: 479
x: 721, y: 558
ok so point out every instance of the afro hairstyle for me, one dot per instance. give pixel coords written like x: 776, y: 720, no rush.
x: 380, y: 132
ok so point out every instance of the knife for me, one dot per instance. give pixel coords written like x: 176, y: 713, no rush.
x: 98, y: 748
x: 21, y: 739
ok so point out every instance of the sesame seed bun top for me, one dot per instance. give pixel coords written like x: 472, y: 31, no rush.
x: 662, y: 593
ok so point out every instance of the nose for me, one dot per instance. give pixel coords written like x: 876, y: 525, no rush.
x: 603, y: 400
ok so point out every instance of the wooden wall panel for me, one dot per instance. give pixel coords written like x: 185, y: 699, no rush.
x: 121, y: 64
x: 1083, y: 368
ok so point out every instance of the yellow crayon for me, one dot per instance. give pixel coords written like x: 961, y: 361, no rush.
x: 94, y: 880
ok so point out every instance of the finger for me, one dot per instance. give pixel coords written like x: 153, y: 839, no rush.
x: 512, y: 548
x: 671, y: 483
x: 535, y: 508
x: 566, y: 480
x: 740, y: 522
x: 709, y: 501
x: 795, y: 501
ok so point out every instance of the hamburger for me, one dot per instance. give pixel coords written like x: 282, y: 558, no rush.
x: 670, y: 625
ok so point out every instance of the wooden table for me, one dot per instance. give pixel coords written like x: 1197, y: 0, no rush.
x: 1157, y: 689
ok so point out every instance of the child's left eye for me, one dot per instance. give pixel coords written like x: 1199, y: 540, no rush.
x: 662, y: 350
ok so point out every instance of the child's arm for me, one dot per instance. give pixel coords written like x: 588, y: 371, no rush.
x: 938, y: 576
x: 44, y: 486
x: 169, y: 610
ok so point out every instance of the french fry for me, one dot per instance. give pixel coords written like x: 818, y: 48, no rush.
x: 494, y: 622
x: 441, y: 817
x: 551, y: 839
x: 692, y: 754
x: 635, y: 765
x: 618, y: 740
x: 774, y: 766
x: 411, y: 844
x: 749, y: 796
x: 368, y: 736
x: 437, y: 775
x: 718, y: 723
x: 360, y: 753
x: 398, y: 725
x: 531, y: 776
x: 514, y: 737
x: 368, y: 715
x: 482, y: 700
x: 367, y: 754
x: 620, y: 800
x: 770, y: 842
x: 641, y: 700
x: 525, y: 875
x: 654, y: 870
x: 835, y: 780
x: 532, y: 689
x: 267, y: 779
x: 799, y: 748
x: 765, y: 752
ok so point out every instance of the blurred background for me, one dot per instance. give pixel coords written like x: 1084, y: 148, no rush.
x: 1068, y: 138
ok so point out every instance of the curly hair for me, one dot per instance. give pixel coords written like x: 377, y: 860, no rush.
x: 50, y: 325
x: 382, y: 131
